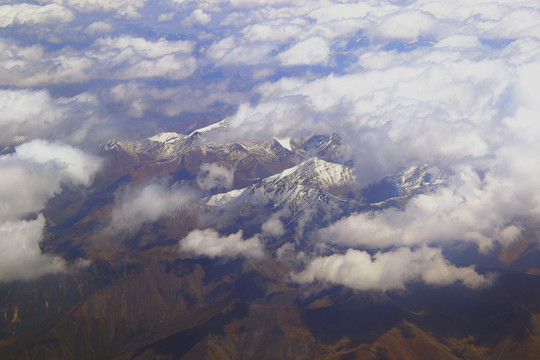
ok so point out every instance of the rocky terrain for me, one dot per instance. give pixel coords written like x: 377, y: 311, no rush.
x: 134, y: 293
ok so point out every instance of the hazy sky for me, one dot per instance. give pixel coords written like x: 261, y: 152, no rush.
x: 454, y: 84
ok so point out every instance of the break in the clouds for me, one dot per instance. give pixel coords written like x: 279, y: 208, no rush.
x: 209, y: 243
x: 30, y: 176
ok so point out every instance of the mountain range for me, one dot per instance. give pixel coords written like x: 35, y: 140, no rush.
x: 132, y: 293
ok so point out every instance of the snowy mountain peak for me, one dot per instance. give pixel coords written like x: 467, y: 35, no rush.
x: 418, y: 178
x: 217, y: 126
x: 315, y: 172
x: 166, y: 137
x: 299, y: 187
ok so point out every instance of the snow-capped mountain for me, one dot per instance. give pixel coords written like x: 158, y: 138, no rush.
x: 172, y: 145
x: 266, y: 177
x: 313, y: 184
x: 414, y: 180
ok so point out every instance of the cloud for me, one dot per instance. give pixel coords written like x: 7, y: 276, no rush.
x: 209, y: 243
x: 27, y: 14
x: 274, y: 226
x: 32, y: 65
x: 136, y: 98
x: 214, y: 176
x: 28, y: 178
x: 134, y: 57
x: 453, y: 84
x: 127, y: 8
x: 230, y: 51
x: 99, y: 28
x: 21, y: 257
x: 35, y: 173
x: 121, y: 57
x: 197, y: 17
x: 406, y: 25
x: 166, y: 16
x: 473, y: 211
x: 135, y: 207
x: 390, y: 270
x: 70, y: 163
x: 313, y: 51
x: 26, y: 112
x: 29, y: 114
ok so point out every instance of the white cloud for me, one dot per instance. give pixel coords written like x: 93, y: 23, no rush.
x: 209, y: 243
x: 127, y: 8
x: 197, y: 17
x: 136, y: 207
x: 28, y: 178
x: 26, y: 111
x: 36, y: 171
x: 448, y: 83
x: 30, y: 114
x: 214, y: 176
x: 274, y: 226
x: 137, y: 98
x: 313, y: 51
x: 20, y: 255
x: 70, y: 163
x: 27, y: 14
x: 142, y: 47
x: 166, y: 16
x: 229, y: 51
x: 98, y: 28
x: 271, y: 32
x: 140, y: 58
x: 472, y: 211
x: 23, y: 66
x: 390, y: 270
x: 406, y: 25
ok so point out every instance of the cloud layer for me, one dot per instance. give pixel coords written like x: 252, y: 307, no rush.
x: 452, y: 84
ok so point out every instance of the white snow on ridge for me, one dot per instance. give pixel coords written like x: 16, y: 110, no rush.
x: 294, y: 185
x: 166, y: 137
x: 219, y: 125
x: 285, y: 142
x: 317, y: 172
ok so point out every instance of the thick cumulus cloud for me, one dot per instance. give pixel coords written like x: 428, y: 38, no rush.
x: 390, y: 270
x: 34, y: 173
x: 209, y: 243
x: 138, y: 206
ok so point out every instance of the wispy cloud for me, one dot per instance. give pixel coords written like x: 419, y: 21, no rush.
x: 135, y: 207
